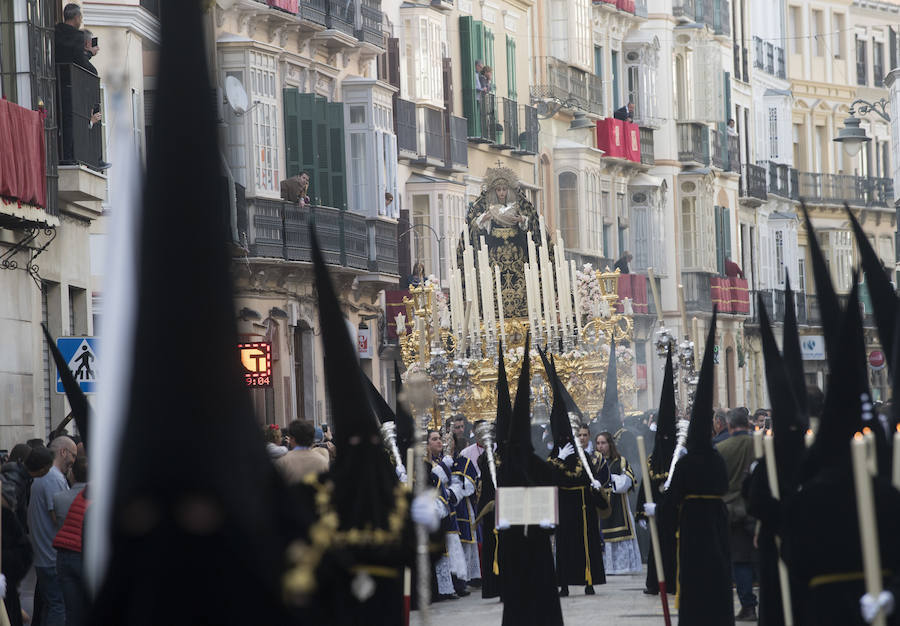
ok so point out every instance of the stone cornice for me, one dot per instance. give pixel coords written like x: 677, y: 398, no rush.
x: 134, y: 18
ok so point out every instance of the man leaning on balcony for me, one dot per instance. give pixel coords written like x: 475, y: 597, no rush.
x: 295, y: 189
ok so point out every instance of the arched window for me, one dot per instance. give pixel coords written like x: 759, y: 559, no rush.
x: 568, y: 208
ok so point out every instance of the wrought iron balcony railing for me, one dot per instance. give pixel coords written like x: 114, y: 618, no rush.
x: 529, y: 129
x: 840, y: 188
x: 648, y: 156
x: 753, y: 182
x: 693, y: 143
x: 572, y: 86
x: 406, y: 128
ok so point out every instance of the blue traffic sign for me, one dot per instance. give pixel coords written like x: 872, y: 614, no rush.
x: 81, y: 355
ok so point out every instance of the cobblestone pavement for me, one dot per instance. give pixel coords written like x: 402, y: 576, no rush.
x: 619, y: 601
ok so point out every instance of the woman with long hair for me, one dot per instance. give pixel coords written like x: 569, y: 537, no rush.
x: 621, y: 553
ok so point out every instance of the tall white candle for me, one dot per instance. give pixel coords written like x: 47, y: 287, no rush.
x: 809, y: 438
x: 868, y: 531
x: 500, y: 305
x: 577, y: 294
x: 895, y: 479
x: 757, y: 443
x: 871, y: 462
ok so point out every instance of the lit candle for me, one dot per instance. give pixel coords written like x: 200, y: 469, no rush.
x: 783, y: 577
x: 500, y: 305
x: 757, y: 443
x: 771, y: 469
x: 871, y: 454
x: 809, y: 438
x: 865, y: 510
x: 896, y: 467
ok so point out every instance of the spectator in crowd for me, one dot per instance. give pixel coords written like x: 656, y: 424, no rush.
x: 24, y: 466
x: 622, y: 263
x: 732, y: 269
x: 35, y: 443
x: 303, y: 459
x: 417, y: 277
x: 388, y: 201
x: 70, y: 507
x: 625, y: 113
x: 272, y: 435
x: 296, y: 189
x: 737, y: 451
x: 17, y: 553
x: 720, y: 426
x: 42, y: 524
x: 761, y: 419
x: 70, y: 41
x: 90, y: 51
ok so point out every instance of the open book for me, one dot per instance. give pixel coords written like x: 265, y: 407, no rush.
x: 522, y: 506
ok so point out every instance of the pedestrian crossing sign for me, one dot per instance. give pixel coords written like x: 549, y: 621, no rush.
x: 81, y: 355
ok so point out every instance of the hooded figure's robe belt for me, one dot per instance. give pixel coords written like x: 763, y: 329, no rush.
x: 840, y: 577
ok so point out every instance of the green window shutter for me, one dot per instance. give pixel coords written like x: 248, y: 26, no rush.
x: 469, y: 91
x: 338, y: 164
x: 726, y: 223
x: 511, y: 67
x: 489, y: 49
x: 478, y: 41
x: 306, y: 113
x: 291, y: 131
x: 720, y: 258
x: 727, y: 96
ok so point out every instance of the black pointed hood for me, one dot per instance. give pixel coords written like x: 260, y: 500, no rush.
x: 77, y: 400
x: 519, y: 451
x: 382, y: 409
x: 842, y: 413
x: 788, y: 426
x: 793, y: 358
x: 700, y: 429
x: 406, y: 427
x: 666, y: 433
x: 363, y: 477
x: 609, y: 415
x: 559, y: 416
x: 829, y: 308
x: 504, y: 404
x: 881, y: 291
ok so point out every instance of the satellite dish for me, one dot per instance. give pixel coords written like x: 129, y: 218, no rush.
x: 236, y: 95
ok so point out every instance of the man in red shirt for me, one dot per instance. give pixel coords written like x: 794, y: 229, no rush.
x: 732, y: 269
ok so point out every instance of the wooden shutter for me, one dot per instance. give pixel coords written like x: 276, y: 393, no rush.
x: 727, y: 88
x: 720, y: 248
x: 292, y: 141
x: 726, y: 229
x: 488, y: 43
x: 393, y: 73
x: 511, y: 68
x: 467, y: 58
x: 337, y: 178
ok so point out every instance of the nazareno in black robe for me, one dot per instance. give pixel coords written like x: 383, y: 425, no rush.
x: 666, y: 530
x: 694, y: 504
x: 490, y: 582
x: 821, y: 539
x: 579, y: 544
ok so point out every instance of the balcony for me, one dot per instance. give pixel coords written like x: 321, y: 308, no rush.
x: 486, y: 127
x: 648, y: 156
x: 278, y: 230
x: 314, y: 11
x: 769, y: 58
x: 712, y: 13
x: 693, y: 143
x: 431, y: 123
x: 619, y: 139
x: 753, y: 182
x: 371, y: 18
x: 636, y: 287
x: 506, y: 126
x: 577, y: 88
x: 405, y: 128
x: 725, y: 149
x: 775, y: 301
x: 697, y: 295
x: 24, y: 192
x: 529, y: 129
x: 730, y: 295
x: 340, y: 16
x: 634, y: 7
x: 79, y: 91
x: 458, y: 154
x: 839, y: 188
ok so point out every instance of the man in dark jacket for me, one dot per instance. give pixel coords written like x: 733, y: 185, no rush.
x: 737, y: 451
x: 69, y: 40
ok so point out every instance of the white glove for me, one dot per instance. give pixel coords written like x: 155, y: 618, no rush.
x: 423, y: 512
x: 595, y: 484
x: 502, y: 524
x: 3, y: 587
x: 621, y: 483
x: 439, y: 472
x: 643, y: 524
x: 650, y: 509
x: 448, y: 461
x: 871, y: 606
x: 401, y: 473
x: 456, y: 490
x: 547, y: 524
x: 565, y: 452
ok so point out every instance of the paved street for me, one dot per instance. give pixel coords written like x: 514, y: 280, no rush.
x: 619, y: 601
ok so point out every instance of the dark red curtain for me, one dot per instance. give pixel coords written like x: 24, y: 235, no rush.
x: 23, y: 155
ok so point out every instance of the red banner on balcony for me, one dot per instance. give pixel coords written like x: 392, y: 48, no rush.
x: 633, y: 286
x: 739, y: 295
x: 625, y: 5
x: 393, y: 300
x: 632, y: 141
x: 718, y: 293
x: 23, y: 160
x: 291, y: 6
x: 611, y: 137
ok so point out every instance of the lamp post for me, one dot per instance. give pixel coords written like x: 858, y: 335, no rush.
x: 851, y: 135
x: 440, y: 242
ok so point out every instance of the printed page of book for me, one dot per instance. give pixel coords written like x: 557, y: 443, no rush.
x: 541, y: 503
x: 510, y: 505
x: 522, y: 506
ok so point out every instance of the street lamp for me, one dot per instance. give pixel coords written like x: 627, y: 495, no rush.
x: 852, y: 135
x: 440, y: 242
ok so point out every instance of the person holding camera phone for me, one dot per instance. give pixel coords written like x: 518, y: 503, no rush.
x: 72, y: 45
